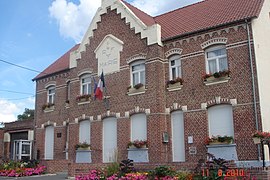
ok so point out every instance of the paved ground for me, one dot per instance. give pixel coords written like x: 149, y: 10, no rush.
x: 42, y: 177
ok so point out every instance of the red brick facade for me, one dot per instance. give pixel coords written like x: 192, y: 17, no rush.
x: 156, y: 97
x: 1, y: 144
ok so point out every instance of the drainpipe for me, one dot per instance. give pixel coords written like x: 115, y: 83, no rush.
x: 253, y: 83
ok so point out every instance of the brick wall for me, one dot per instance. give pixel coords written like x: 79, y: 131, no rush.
x: 1, y: 144
x: 156, y: 98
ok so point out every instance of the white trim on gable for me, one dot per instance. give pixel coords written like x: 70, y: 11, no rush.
x: 152, y: 33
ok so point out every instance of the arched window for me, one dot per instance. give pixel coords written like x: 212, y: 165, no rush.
x: 85, y: 84
x: 216, y: 59
x: 109, y: 139
x: 138, y: 127
x: 50, y: 94
x: 137, y: 72
x: 178, y: 139
x: 49, y: 142
x: 175, y: 66
x: 84, y: 131
x: 220, y: 120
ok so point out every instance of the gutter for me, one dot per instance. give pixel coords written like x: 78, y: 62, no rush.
x: 253, y: 82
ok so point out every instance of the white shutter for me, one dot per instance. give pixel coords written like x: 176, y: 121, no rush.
x: 84, y: 131
x: 49, y: 142
x: 109, y: 139
x: 138, y: 127
x: 178, y: 141
x: 220, y: 120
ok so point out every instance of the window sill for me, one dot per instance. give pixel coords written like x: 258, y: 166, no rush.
x: 50, y: 109
x: 174, y: 87
x: 84, y: 102
x: 212, y: 80
x: 133, y: 91
x: 220, y: 145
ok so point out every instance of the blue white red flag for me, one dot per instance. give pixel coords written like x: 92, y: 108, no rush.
x: 100, y: 87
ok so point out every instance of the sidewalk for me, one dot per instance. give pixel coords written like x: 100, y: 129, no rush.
x: 60, y: 176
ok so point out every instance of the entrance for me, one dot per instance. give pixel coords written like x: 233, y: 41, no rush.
x: 22, y: 150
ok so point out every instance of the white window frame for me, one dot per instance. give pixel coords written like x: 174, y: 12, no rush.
x: 85, y: 131
x: 87, y: 84
x: 177, y: 66
x: 217, y: 58
x: 51, y: 95
x: 140, y: 71
x: 138, y: 123
x: 222, y: 125
x: 178, y: 136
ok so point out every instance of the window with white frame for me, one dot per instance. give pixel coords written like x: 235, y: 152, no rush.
x: 84, y: 131
x: 51, y: 94
x: 138, y: 72
x: 175, y: 67
x: 138, y: 127
x: 216, y: 59
x: 86, y: 84
x: 220, y: 120
x: 178, y: 137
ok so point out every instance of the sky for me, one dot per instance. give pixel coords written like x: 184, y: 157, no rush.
x: 34, y: 33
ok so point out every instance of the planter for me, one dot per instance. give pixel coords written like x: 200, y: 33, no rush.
x: 217, y: 142
x: 134, y: 147
x: 256, y: 140
x: 175, y: 86
x: 86, y: 148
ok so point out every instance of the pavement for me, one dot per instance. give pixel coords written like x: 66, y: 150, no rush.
x: 59, y: 176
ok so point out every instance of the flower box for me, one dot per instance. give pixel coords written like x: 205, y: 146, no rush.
x: 137, y: 144
x: 216, y: 78
x: 83, y: 146
x: 83, y: 98
x: 214, y: 140
x: 137, y: 89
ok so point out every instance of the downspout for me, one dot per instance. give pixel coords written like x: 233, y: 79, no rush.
x: 253, y: 83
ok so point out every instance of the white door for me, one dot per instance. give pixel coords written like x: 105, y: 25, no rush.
x: 49, y: 142
x: 178, y: 141
x: 84, y: 131
x: 109, y: 139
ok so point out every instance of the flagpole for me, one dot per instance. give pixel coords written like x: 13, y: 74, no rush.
x: 106, y: 101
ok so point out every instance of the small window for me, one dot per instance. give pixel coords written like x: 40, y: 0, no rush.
x: 51, y: 95
x: 216, y: 59
x: 86, y: 84
x: 138, y: 72
x: 175, y: 67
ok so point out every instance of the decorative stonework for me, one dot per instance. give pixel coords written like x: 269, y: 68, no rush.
x: 108, y: 114
x: 173, y: 51
x: 108, y: 54
x: 85, y: 71
x: 218, y: 100
x: 136, y: 57
x: 51, y: 83
x: 151, y: 33
x: 213, y: 41
x: 175, y: 107
x: 202, y: 36
x: 137, y: 110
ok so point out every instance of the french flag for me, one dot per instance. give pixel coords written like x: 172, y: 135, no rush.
x: 100, y: 87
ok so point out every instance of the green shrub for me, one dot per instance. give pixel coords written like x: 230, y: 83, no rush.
x: 163, y: 171
x: 112, y: 169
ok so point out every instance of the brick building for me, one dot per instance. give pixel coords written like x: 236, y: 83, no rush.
x: 16, y: 140
x: 173, y: 80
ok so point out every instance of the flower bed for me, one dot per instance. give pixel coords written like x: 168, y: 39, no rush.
x: 19, y: 169
x: 159, y: 173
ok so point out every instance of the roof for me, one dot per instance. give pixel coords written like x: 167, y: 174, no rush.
x: 60, y: 64
x: 145, y: 18
x: 193, y: 18
x: 206, y: 14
